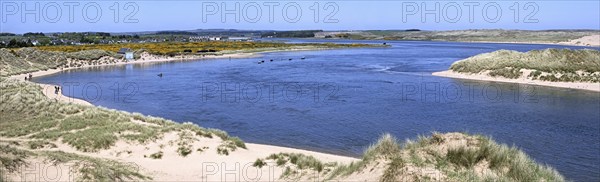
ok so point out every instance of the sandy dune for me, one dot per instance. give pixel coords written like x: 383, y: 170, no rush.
x: 592, y: 40
x: 204, y: 165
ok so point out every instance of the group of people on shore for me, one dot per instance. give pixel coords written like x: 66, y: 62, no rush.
x: 28, y: 77
x: 56, y: 90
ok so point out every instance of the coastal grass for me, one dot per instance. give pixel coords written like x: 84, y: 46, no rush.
x: 28, y: 113
x: 157, y: 155
x: 477, y: 35
x: 12, y: 158
x: 41, y: 123
x: 548, y: 65
x: 95, y: 169
x: 453, y: 156
x: 296, y: 164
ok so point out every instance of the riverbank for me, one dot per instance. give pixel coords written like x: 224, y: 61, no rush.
x: 564, y: 68
x: 484, y: 77
x: 48, y: 89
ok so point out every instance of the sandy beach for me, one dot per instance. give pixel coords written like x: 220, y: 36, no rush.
x: 523, y: 80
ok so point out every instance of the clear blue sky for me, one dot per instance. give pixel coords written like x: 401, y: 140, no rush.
x: 60, y: 16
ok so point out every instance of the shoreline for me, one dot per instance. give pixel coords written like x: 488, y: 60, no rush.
x: 595, y: 87
x: 48, y: 88
x: 143, y: 60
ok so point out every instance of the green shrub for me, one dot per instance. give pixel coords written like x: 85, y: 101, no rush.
x: 238, y: 142
x: 184, y: 151
x: 38, y: 144
x: 259, y: 163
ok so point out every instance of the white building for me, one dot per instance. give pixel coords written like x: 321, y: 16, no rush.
x: 126, y: 52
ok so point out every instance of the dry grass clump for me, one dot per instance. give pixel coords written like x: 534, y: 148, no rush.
x: 296, y: 165
x: 11, y: 158
x: 28, y: 113
x: 549, y: 64
x: 95, y: 169
x: 441, y: 157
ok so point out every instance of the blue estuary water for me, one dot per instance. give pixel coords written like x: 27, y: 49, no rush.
x: 340, y: 101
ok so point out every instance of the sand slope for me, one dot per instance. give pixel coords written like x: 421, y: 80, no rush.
x: 522, y: 80
x: 592, y: 40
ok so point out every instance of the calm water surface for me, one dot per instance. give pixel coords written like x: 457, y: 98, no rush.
x: 339, y: 101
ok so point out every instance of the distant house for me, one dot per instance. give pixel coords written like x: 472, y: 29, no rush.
x: 126, y: 52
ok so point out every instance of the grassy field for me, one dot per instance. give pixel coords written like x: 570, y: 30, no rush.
x: 549, y: 65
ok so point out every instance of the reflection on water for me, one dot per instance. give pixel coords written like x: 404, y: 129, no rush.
x: 339, y: 101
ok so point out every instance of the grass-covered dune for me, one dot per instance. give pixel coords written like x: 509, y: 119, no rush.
x: 36, y: 128
x: 556, y: 65
x: 439, y: 157
x: 24, y: 60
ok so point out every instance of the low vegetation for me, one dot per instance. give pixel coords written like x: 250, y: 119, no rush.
x: 170, y: 48
x: 95, y: 169
x: 441, y: 157
x: 42, y: 123
x: 548, y: 65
